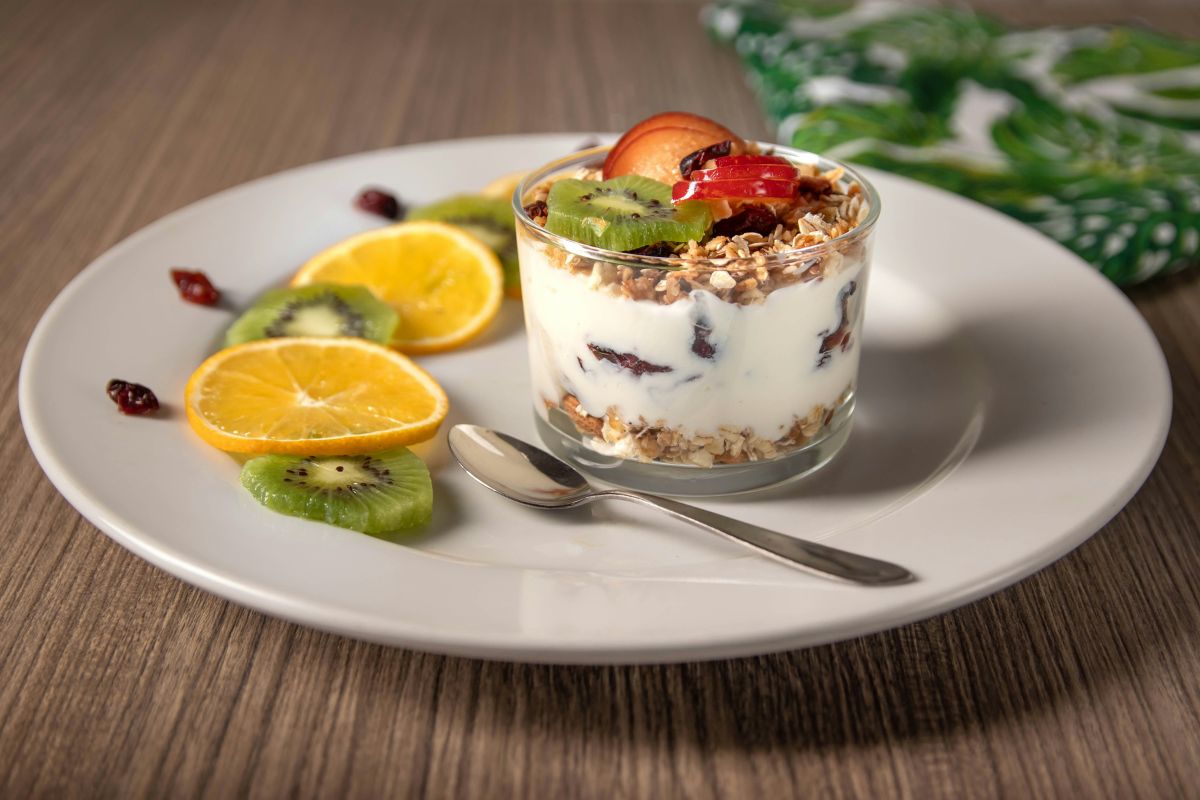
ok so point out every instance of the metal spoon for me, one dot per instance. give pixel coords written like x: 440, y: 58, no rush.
x: 531, y: 476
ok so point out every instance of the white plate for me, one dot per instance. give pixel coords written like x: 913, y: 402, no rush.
x: 1011, y: 402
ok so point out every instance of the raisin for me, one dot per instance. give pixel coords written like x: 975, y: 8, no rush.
x: 377, y: 201
x: 626, y: 361
x: 700, y: 344
x: 195, y: 287
x: 751, y: 219
x: 694, y: 161
x: 131, y: 398
x: 537, y: 209
x: 813, y: 186
x: 839, y: 337
x: 658, y: 249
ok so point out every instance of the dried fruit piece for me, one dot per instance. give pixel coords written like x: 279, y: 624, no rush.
x: 839, y: 337
x: 700, y: 344
x: 536, y: 209
x: 751, y: 219
x: 627, y: 361
x: 813, y: 186
x: 195, y: 287
x: 693, y: 161
x: 131, y: 398
x: 377, y: 201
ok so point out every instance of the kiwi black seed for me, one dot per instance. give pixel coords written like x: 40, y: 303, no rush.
x: 488, y: 219
x: 623, y: 214
x: 375, y: 494
x: 319, y: 309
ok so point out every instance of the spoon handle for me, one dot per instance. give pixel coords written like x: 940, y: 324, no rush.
x: 809, y: 556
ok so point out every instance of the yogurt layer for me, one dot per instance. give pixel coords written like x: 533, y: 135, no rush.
x: 698, y: 364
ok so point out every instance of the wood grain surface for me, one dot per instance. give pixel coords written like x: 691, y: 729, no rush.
x: 117, y: 680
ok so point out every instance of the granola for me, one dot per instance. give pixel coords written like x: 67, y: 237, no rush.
x: 661, y: 442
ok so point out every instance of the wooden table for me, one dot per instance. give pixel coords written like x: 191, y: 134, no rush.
x: 118, y: 680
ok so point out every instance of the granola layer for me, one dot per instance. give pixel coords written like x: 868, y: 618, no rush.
x: 663, y: 443
x: 741, y: 269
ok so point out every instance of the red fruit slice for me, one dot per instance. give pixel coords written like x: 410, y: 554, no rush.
x: 776, y: 171
x: 749, y: 187
x: 656, y: 153
x: 735, y: 161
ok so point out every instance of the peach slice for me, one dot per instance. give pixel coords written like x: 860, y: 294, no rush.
x: 675, y: 120
x: 656, y: 153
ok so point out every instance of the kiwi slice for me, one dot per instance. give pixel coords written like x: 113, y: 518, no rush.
x: 374, y: 494
x: 488, y: 219
x: 319, y: 309
x: 623, y: 213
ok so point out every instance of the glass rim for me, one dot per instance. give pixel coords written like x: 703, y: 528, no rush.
x: 787, y: 257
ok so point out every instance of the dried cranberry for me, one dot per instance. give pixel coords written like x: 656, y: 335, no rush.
x: 813, y: 186
x: 700, y: 344
x: 377, y: 201
x: 626, y: 360
x: 131, y: 398
x: 693, y: 161
x: 658, y: 249
x: 839, y: 337
x: 751, y: 219
x: 195, y: 287
x: 537, y: 209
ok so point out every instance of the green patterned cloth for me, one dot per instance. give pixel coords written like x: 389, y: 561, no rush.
x: 1091, y: 135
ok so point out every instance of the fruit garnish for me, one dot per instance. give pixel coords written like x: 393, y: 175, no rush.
x: 312, y: 396
x: 704, y: 131
x: 131, y: 398
x: 490, y: 220
x: 693, y: 161
x: 504, y: 186
x: 445, y: 284
x: 195, y: 287
x: 623, y: 213
x: 377, y: 201
x: 742, y: 160
x: 374, y: 494
x: 656, y: 153
x: 780, y: 172
x: 319, y: 309
x: 655, y: 145
x: 746, y: 188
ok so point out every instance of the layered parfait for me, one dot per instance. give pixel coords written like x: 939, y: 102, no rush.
x: 694, y: 300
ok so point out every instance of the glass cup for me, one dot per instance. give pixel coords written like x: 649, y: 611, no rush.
x: 721, y: 373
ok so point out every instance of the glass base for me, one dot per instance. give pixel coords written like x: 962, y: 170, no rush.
x: 687, y: 480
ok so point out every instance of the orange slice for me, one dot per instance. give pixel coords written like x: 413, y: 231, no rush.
x: 446, y: 285
x: 312, y: 396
